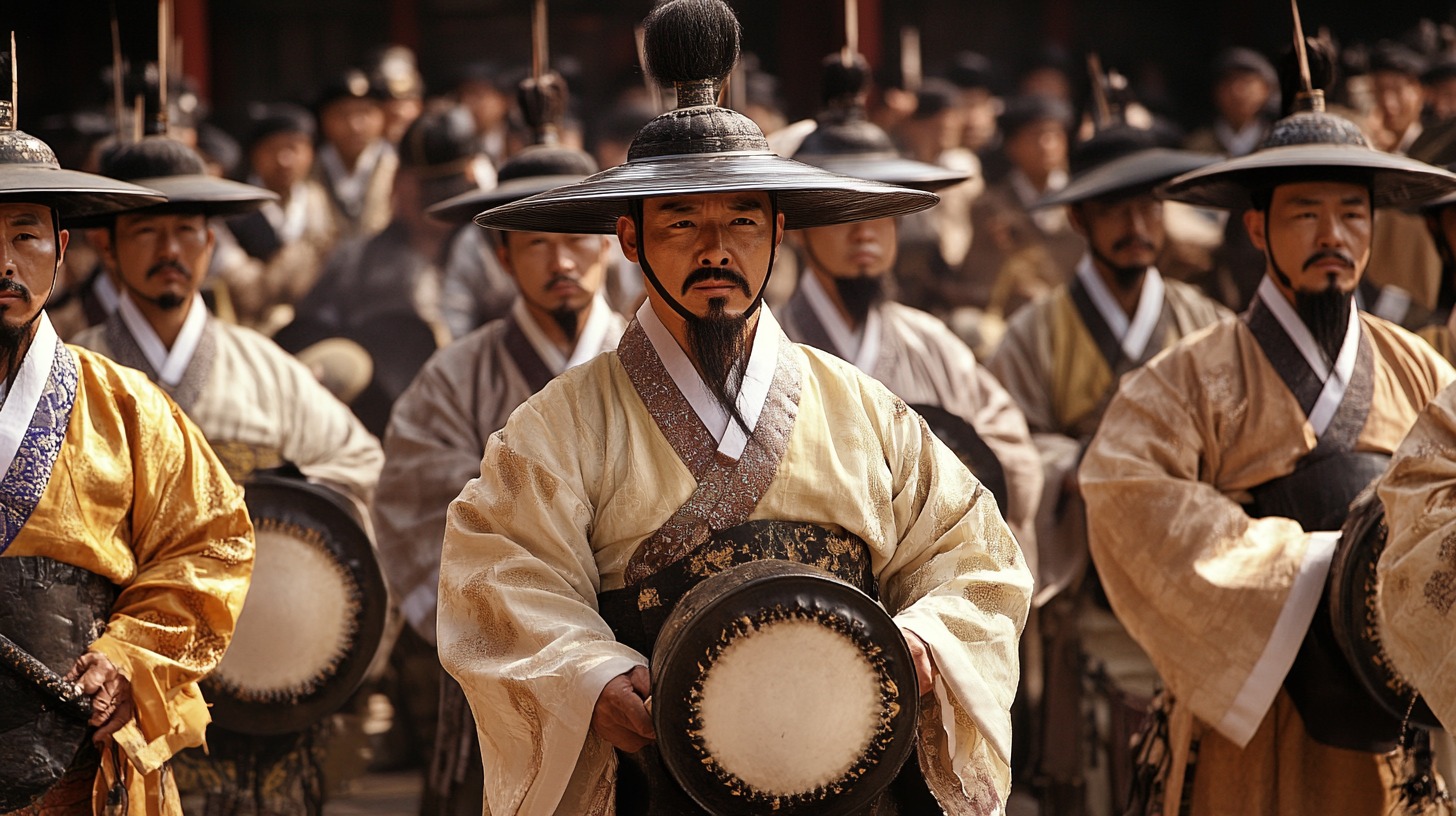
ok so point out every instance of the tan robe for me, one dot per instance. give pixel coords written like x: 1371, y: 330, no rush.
x: 1202, y: 586
x: 437, y: 434
x: 259, y: 407
x: 1418, y: 569
x: 581, y: 476
x: 924, y: 363
x: 1054, y: 368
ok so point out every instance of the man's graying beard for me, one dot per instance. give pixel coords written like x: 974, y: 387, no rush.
x: 15, y: 340
x: 860, y: 294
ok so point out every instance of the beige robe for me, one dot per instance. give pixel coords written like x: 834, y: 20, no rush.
x: 1417, y: 571
x: 924, y: 363
x: 1220, y: 601
x: 1052, y: 365
x: 437, y: 434
x: 259, y: 407
x: 581, y: 476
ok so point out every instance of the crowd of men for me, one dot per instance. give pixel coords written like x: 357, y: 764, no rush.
x: 1156, y: 364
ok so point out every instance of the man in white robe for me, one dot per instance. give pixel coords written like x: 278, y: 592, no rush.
x: 439, y: 426
x: 259, y: 408
x: 622, y: 469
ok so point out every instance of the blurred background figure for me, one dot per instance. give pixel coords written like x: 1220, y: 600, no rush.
x: 396, y: 79
x: 1244, y: 88
x: 356, y: 163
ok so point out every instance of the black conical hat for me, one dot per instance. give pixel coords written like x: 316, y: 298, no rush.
x: 1122, y: 159
x: 702, y: 148
x: 177, y: 171
x: 30, y: 173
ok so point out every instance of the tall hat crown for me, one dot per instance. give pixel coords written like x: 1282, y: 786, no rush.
x: 30, y: 173
x: 1311, y: 145
x: 700, y: 148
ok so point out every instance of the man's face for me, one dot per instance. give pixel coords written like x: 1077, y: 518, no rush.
x: 861, y: 250
x: 981, y: 109
x: 1399, y: 99
x: 282, y: 160
x: 1038, y: 148
x: 1125, y: 233
x: 351, y: 125
x: 708, y: 249
x: 161, y: 258
x: 1318, y: 234
x: 29, y: 248
x: 1241, y: 96
x: 555, y: 272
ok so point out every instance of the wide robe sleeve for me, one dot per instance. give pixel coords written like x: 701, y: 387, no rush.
x: 1417, y: 571
x: 518, y: 623
x: 957, y: 579
x: 193, y: 548
x: 432, y: 448
x: 1218, y: 600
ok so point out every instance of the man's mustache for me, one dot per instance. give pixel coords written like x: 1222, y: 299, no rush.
x: 1326, y: 254
x: 9, y: 285
x: 1133, y: 242
x: 164, y: 266
x: 704, y: 274
x: 555, y: 279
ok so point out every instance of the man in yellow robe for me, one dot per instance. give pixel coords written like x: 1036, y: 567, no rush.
x: 705, y: 418
x: 1060, y: 359
x: 1417, y: 577
x: 1218, y: 480
x: 259, y: 408
x: 107, y: 481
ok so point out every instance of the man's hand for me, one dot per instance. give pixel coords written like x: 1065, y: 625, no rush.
x: 111, y: 704
x: 924, y: 666
x: 620, y: 716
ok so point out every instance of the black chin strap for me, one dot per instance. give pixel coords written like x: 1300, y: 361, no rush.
x: 682, y: 311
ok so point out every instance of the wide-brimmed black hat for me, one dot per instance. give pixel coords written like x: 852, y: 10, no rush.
x: 1119, y: 161
x: 1310, y: 146
x: 700, y: 148
x: 535, y: 169
x: 30, y: 174
x: 177, y: 172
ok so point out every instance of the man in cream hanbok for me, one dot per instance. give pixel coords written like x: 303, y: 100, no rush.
x: 1224, y: 468
x: 439, y: 426
x: 106, y: 485
x: 259, y: 408
x: 623, y: 468
x: 1061, y: 359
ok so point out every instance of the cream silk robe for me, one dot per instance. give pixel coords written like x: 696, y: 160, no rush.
x: 258, y: 406
x: 924, y: 363
x: 437, y: 433
x: 1417, y: 583
x: 1221, y: 601
x: 582, y: 474
x: 134, y: 495
x: 1060, y: 360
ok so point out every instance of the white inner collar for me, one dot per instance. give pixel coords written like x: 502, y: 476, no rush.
x: 859, y: 346
x: 170, y: 365
x: 288, y: 221
x: 757, y: 376
x: 589, y: 339
x: 1335, y: 379
x: 107, y: 293
x: 24, y: 396
x: 352, y: 186
x: 1132, y: 335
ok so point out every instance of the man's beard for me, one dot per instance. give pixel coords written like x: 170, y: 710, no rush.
x: 1126, y: 276
x: 568, y: 319
x: 860, y: 294
x: 15, y: 340
x: 167, y: 301
x: 1326, y: 314
x: 719, y: 343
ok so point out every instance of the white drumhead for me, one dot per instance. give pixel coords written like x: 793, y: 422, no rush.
x: 297, y: 622
x: 790, y: 707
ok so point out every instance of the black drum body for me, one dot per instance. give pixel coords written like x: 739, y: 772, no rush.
x: 54, y: 612
x: 314, y: 614
x: 970, y: 448
x: 780, y: 689
x: 1352, y: 612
